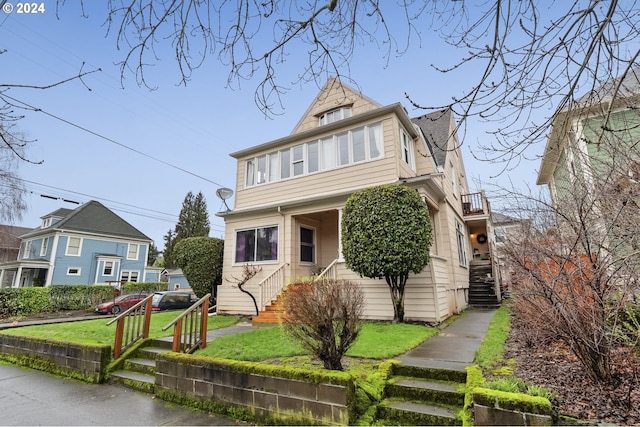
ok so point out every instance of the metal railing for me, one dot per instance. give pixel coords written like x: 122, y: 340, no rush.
x: 132, y: 325
x: 190, y: 328
x: 271, y: 286
x: 475, y: 204
x: 331, y: 272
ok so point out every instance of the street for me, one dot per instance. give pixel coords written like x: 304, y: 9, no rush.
x: 29, y: 397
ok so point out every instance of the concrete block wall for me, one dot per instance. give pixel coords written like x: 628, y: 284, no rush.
x: 265, y: 395
x: 74, y: 360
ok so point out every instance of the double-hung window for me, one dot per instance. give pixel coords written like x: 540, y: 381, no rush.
x: 74, y: 246
x: 108, y: 268
x: 462, y: 248
x: 132, y: 253
x: 27, y: 249
x: 129, y: 276
x: 44, y: 247
x: 406, y: 147
x: 257, y: 244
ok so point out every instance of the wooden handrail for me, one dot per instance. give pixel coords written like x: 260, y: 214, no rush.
x: 192, y: 334
x: 132, y: 325
x: 330, y: 272
x: 271, y: 286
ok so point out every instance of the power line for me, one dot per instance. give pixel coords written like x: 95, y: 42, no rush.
x: 36, y: 109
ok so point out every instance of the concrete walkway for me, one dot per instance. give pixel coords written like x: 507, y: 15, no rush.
x: 455, y: 347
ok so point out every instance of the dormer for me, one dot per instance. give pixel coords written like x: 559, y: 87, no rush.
x: 54, y: 217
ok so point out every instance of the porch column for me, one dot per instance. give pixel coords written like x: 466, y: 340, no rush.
x: 1, y: 278
x: 16, y: 278
x: 340, y: 258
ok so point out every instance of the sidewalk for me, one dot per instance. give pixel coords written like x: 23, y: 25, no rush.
x: 455, y: 347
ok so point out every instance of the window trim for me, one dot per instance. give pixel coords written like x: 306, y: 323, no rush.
x: 129, y: 272
x: 137, y: 251
x: 111, y: 268
x: 344, y: 112
x: 313, y: 244
x: 370, y: 133
x: 407, y: 150
x: 67, y: 253
x: 255, y: 229
x: 45, y: 246
x: 77, y: 273
x: 27, y: 249
x: 462, y: 247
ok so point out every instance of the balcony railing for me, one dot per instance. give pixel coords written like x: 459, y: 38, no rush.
x: 475, y: 204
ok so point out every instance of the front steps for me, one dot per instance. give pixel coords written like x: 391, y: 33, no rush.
x: 482, y: 286
x: 139, y: 372
x: 423, y: 396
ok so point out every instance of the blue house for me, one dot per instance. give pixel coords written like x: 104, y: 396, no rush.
x: 86, y: 245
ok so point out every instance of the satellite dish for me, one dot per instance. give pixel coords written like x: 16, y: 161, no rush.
x: 224, y: 193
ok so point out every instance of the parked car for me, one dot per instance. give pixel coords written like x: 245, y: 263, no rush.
x: 119, y: 304
x: 172, y: 300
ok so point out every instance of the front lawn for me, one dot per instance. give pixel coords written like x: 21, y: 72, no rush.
x: 378, y: 340
x: 96, y: 331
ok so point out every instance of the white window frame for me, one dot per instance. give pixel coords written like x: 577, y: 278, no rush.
x: 27, y: 249
x: 313, y: 244
x: 46, y: 222
x: 44, y: 247
x: 128, y: 274
x: 454, y: 180
x: 334, y: 115
x: 406, y: 148
x: 110, y: 265
x: 77, y: 272
x: 462, y: 247
x: 235, y: 245
x: 137, y: 251
x: 328, y: 151
x: 67, y: 252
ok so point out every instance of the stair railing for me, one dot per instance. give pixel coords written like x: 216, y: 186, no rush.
x: 271, y: 286
x: 190, y: 328
x: 331, y: 272
x: 132, y: 325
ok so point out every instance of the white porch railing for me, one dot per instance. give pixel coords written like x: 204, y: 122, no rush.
x: 331, y: 272
x: 271, y: 286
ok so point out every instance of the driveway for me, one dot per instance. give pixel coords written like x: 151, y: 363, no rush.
x: 29, y: 397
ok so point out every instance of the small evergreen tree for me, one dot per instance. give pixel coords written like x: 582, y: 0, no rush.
x: 193, y: 221
x: 386, y: 232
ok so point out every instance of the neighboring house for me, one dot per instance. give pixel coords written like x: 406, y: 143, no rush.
x: 596, y: 136
x: 507, y: 230
x: 87, y: 245
x: 290, y: 194
x: 177, y: 280
x: 10, y: 246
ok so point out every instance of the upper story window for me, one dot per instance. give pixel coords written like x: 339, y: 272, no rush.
x: 462, y: 248
x: 406, y: 147
x: 27, y: 249
x: 132, y: 253
x: 354, y: 146
x: 74, y: 246
x: 108, y: 268
x: 46, y: 222
x: 335, y: 115
x: 44, y: 247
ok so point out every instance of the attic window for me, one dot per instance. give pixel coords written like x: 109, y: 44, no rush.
x: 335, y: 115
x: 46, y: 222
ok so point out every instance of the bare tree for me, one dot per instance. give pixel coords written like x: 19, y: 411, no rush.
x: 578, y: 269
x: 526, y: 56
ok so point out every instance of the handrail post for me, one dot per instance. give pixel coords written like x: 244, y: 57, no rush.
x: 177, y: 336
x: 204, y: 323
x: 147, y: 319
x: 117, y: 345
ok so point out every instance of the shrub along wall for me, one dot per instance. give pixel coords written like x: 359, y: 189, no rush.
x: 26, y: 301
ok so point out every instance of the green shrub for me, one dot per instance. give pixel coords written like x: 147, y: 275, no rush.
x: 78, y: 297
x: 33, y: 300
x: 9, y: 302
x: 517, y: 385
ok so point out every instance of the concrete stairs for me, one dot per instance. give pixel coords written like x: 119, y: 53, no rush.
x: 423, y: 396
x: 139, y: 371
x: 482, y: 286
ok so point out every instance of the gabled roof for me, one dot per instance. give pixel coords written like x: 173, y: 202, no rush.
x: 623, y: 86
x: 436, y: 128
x: 93, y: 217
x: 10, y: 236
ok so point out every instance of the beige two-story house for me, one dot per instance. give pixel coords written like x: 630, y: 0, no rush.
x: 290, y: 193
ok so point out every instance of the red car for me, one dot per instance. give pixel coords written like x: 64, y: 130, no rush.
x: 120, y: 304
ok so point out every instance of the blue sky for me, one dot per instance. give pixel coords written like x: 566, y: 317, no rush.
x: 193, y: 127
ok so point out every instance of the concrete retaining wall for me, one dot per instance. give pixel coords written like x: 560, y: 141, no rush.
x: 266, y: 395
x: 84, y: 362
x: 493, y: 407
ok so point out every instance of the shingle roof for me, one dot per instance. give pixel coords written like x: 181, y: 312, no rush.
x: 626, y: 85
x: 58, y: 213
x: 94, y: 217
x: 436, y: 129
x: 10, y: 236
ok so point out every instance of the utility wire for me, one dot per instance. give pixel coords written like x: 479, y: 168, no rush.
x: 36, y: 109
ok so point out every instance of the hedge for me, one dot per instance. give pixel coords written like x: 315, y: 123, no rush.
x: 27, y: 301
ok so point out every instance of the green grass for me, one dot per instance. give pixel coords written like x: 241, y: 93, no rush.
x: 377, y: 340
x: 491, y: 351
x: 517, y: 385
x: 96, y: 331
